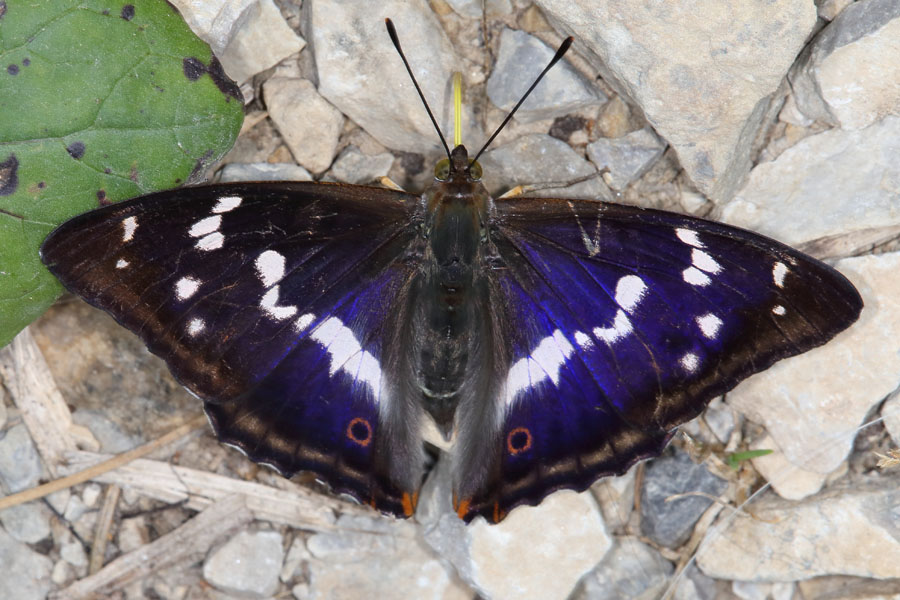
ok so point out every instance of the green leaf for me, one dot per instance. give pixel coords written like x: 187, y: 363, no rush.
x: 100, y: 101
x: 736, y: 458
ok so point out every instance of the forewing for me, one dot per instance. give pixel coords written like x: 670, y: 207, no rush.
x: 274, y: 303
x: 627, y: 323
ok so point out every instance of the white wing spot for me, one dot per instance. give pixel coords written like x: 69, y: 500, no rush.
x: 205, y: 226
x: 690, y: 362
x: 689, y: 237
x: 129, y: 226
x: 620, y: 328
x: 303, y: 322
x: 186, y: 287
x: 347, y: 354
x: 709, y: 325
x: 227, y: 203
x: 695, y: 276
x: 270, y: 267
x: 704, y: 261
x: 213, y: 241
x: 544, y: 363
x: 779, y: 310
x: 195, y: 326
x: 629, y: 291
x: 583, y: 340
x: 121, y: 263
x: 778, y: 273
x: 269, y: 304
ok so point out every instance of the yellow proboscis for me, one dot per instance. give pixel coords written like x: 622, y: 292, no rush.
x: 457, y: 109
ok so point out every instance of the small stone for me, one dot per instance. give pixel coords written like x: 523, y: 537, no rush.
x: 62, y: 573
x: 615, y: 119
x: 541, y: 159
x: 59, y: 500
x: 746, y: 590
x: 71, y: 551
x: 29, y: 523
x: 262, y: 41
x: 626, y: 158
x: 301, y: 591
x: 91, y: 494
x: 26, y: 574
x: 670, y: 523
x: 789, y: 481
x: 20, y: 465
x: 309, y: 125
x: 247, y: 564
x: 132, y: 534
x: 74, y: 509
x: 263, y: 172
x: 113, y: 440
x: 563, y: 89
x: 851, y: 72
x: 352, y: 166
x: 630, y: 570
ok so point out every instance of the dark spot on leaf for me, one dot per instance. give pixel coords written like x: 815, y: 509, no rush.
x: 41, y: 185
x: 194, y: 69
x: 2, y: 9
x: 178, y: 181
x: 75, y: 150
x: 564, y: 127
x: 101, y: 198
x: 107, y: 170
x: 128, y: 12
x: 133, y: 174
x: 13, y: 69
x: 9, y: 175
x: 105, y: 12
x: 26, y: 61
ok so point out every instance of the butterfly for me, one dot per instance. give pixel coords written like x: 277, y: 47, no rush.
x: 555, y: 340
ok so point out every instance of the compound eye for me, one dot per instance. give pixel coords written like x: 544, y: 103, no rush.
x: 442, y: 169
x: 475, y: 171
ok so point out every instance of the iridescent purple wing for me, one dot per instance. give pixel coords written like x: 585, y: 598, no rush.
x: 622, y: 323
x: 271, y: 302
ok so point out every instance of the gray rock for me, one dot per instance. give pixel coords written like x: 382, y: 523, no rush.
x: 29, y: 523
x: 378, y: 558
x: 847, y: 530
x: 703, y: 83
x: 371, y: 86
x: 812, y: 404
x: 836, y: 182
x: 215, y: 22
x: 20, y: 465
x: 631, y: 570
x: 26, y: 574
x: 297, y: 554
x: 626, y: 158
x: 248, y: 564
x: 263, y: 172
x: 670, y: 523
x: 309, y: 125
x: 352, y: 166
x: 541, y: 159
x: 850, y: 75
x: 746, y: 590
x: 509, y: 560
x: 891, y: 414
x: 520, y: 60
x: 112, y: 438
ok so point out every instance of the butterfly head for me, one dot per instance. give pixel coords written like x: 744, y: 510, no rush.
x: 458, y: 168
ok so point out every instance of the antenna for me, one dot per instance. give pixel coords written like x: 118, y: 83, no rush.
x: 393, y: 33
x: 567, y: 43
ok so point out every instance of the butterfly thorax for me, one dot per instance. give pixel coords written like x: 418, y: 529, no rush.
x: 448, y: 315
